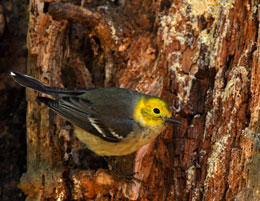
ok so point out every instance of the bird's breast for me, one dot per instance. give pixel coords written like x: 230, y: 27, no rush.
x: 132, y: 143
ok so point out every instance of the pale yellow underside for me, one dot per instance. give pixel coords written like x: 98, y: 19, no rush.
x: 124, y: 147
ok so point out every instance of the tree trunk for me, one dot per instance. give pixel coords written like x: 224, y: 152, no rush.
x: 202, y: 57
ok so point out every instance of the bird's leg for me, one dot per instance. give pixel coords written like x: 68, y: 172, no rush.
x: 122, y: 167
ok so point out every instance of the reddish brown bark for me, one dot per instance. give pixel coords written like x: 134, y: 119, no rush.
x: 200, y: 56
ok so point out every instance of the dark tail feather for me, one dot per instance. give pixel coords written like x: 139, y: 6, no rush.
x: 47, y: 101
x: 35, y: 84
x: 54, y: 105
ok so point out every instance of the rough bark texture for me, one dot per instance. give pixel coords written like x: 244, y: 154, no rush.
x: 200, y: 56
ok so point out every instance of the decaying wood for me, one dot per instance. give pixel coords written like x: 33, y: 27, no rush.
x: 200, y: 56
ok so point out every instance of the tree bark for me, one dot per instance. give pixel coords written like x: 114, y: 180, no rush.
x: 202, y: 57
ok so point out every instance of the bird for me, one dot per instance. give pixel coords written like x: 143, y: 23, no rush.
x: 110, y: 121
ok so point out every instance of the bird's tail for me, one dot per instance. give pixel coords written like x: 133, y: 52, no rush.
x: 35, y: 84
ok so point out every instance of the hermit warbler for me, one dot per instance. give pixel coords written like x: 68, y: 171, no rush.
x: 110, y: 121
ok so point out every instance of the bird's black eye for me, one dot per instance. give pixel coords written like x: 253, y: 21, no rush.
x: 156, y: 111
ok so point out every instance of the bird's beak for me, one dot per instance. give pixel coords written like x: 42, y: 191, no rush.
x: 172, y: 120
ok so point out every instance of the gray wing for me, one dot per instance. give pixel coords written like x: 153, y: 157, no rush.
x: 106, y: 113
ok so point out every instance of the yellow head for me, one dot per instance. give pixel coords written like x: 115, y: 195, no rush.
x: 152, y: 112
